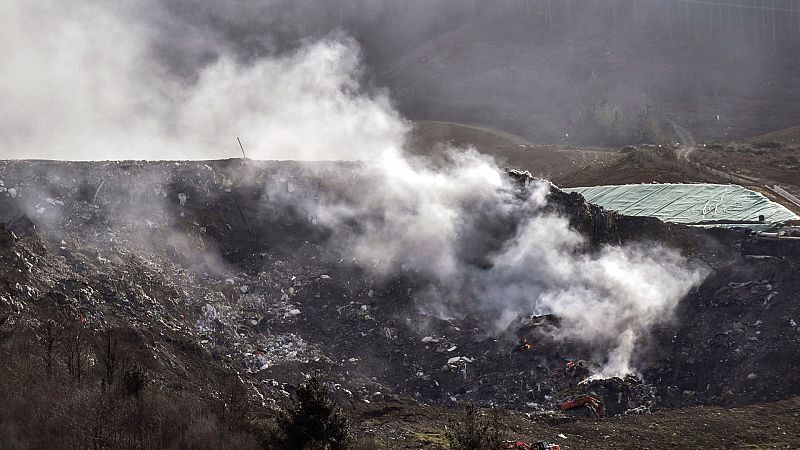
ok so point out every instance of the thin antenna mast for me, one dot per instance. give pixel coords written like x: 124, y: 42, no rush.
x: 241, y: 147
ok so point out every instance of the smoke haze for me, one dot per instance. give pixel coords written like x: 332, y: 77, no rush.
x: 494, y: 253
x: 91, y: 88
x: 109, y: 83
x: 99, y: 80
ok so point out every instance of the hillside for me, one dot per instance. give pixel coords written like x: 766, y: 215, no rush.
x: 218, y: 290
x: 789, y: 135
x: 760, y: 163
x: 592, y: 88
x: 552, y: 162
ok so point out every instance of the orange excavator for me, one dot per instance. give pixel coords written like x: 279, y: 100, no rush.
x: 593, y: 405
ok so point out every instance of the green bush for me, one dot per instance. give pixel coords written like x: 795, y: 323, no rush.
x: 316, y: 422
x: 473, y: 432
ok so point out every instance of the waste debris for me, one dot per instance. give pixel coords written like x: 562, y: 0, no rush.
x: 197, y: 255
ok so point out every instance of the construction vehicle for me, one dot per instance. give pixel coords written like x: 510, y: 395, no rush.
x: 593, y: 405
x: 520, y: 445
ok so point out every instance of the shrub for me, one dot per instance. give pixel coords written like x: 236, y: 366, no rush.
x: 473, y: 432
x: 134, y: 380
x: 315, y: 421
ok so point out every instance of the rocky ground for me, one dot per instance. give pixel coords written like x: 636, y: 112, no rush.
x: 211, y: 276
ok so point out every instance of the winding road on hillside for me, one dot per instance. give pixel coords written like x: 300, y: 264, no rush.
x: 688, y: 146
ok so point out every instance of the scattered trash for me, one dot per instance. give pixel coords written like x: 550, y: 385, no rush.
x: 458, y: 360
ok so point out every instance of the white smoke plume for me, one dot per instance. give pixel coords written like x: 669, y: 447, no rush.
x: 88, y: 88
x: 80, y: 81
x: 609, y: 298
x: 499, y: 255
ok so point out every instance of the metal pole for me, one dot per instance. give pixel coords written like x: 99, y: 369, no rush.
x: 241, y: 147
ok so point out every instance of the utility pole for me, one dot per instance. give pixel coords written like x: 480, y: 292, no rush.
x: 241, y: 147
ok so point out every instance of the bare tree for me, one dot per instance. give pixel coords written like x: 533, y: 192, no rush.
x: 75, y: 350
x: 235, y: 403
x: 108, y: 354
x: 49, y: 334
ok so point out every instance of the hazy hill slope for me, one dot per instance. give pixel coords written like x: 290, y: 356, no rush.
x: 553, y: 162
x: 593, y: 87
x: 789, y: 135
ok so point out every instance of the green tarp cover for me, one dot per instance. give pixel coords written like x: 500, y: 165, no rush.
x: 686, y: 203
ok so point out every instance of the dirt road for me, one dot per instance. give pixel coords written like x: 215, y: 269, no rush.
x: 774, y: 191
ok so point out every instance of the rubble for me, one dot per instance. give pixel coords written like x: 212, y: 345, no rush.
x: 208, y: 261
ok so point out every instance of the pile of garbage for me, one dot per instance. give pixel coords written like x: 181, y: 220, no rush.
x: 195, y: 256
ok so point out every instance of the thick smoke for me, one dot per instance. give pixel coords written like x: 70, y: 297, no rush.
x: 91, y: 88
x: 494, y: 252
x: 608, y: 299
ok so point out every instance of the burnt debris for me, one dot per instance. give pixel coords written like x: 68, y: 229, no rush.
x: 196, y: 257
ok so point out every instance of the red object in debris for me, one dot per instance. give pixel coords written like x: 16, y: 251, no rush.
x: 593, y: 405
x: 570, y: 364
x: 526, y: 345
